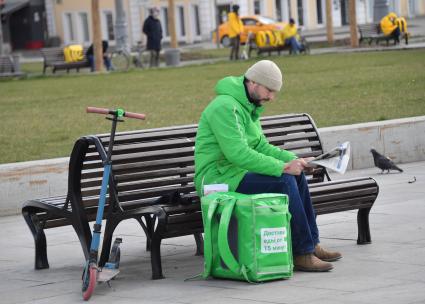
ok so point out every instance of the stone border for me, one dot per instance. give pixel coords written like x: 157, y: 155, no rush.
x: 403, y: 140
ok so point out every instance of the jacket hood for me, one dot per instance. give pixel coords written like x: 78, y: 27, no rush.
x: 234, y: 87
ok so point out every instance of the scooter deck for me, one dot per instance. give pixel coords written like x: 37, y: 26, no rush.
x: 107, y: 274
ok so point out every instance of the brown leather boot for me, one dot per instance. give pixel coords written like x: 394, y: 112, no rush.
x: 326, y: 255
x: 309, y: 262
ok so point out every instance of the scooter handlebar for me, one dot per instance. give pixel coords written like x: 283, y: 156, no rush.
x: 97, y: 110
x: 115, y: 112
x: 134, y: 115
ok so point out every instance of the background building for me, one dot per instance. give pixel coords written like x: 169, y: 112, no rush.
x: 24, y: 24
x: 36, y: 23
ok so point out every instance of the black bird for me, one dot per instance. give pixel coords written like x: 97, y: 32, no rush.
x: 383, y: 162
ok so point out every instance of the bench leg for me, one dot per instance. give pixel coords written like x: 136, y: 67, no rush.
x: 157, y: 236
x: 40, y: 243
x: 156, y: 257
x: 107, y: 241
x: 147, y: 228
x: 84, y: 235
x: 199, y: 244
x: 363, y: 226
x: 150, y: 224
x: 41, y: 261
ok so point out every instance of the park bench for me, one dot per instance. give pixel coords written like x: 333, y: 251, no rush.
x: 278, y: 49
x: 54, y: 58
x: 152, y: 182
x: 372, y: 32
x: 7, y: 67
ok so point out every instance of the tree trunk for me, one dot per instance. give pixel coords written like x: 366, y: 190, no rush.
x: 329, y: 21
x: 353, y: 24
x: 97, y: 36
x: 172, y: 23
x: 1, y: 28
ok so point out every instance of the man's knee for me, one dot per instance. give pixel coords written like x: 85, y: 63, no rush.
x: 289, y: 180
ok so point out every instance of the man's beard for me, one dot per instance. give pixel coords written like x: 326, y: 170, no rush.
x: 256, y: 100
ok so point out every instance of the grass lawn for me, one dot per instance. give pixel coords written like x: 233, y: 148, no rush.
x: 43, y: 116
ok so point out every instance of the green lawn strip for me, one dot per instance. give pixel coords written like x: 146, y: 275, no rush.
x: 43, y: 116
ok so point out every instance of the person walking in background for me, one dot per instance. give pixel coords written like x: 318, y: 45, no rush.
x: 230, y: 148
x: 235, y: 31
x: 153, y: 31
x: 290, y: 33
x: 106, y: 59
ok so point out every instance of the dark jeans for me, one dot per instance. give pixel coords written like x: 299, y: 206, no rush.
x: 396, y: 35
x: 296, y: 47
x: 305, y: 234
x: 154, y: 62
x: 106, y: 62
x: 234, y: 43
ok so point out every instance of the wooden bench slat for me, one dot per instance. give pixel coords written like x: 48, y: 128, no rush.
x: 157, y: 164
x: 153, y: 174
x: 345, y: 205
x: 146, y: 193
x: 177, y: 181
x: 343, y: 194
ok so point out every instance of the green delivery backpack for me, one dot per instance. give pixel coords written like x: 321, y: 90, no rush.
x: 247, y: 237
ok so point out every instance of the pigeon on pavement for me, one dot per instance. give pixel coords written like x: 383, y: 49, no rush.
x: 383, y: 162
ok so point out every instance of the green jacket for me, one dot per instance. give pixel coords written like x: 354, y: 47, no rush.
x: 230, y: 142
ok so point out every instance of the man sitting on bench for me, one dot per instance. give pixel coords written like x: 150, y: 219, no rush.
x: 106, y: 59
x: 290, y: 34
x: 390, y: 27
x: 230, y: 148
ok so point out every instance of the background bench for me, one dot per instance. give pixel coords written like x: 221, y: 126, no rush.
x: 278, y: 49
x: 372, y: 32
x: 149, y: 165
x: 7, y: 67
x: 54, y: 58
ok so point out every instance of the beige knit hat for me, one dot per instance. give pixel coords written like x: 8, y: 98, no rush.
x: 266, y: 73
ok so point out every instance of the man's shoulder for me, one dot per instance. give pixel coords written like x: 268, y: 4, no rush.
x: 226, y: 101
x: 221, y: 104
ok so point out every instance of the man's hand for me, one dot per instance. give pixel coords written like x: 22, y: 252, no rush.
x: 297, y: 166
x: 309, y: 168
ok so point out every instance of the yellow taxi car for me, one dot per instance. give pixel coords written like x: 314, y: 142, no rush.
x: 251, y: 24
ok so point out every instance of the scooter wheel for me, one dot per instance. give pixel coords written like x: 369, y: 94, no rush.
x: 89, y: 282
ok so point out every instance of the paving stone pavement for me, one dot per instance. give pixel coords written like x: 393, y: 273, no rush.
x: 390, y: 270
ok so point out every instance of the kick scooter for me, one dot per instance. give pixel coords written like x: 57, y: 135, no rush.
x: 92, y: 273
